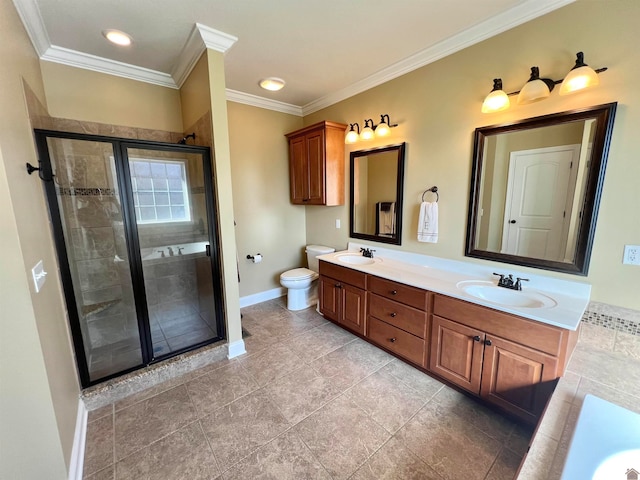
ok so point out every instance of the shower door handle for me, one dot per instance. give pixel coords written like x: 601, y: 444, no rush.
x: 208, y: 250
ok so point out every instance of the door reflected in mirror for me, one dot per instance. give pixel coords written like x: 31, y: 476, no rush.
x: 376, y: 194
x: 536, y: 188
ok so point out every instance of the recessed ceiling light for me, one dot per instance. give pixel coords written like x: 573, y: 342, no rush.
x: 117, y: 37
x: 272, y: 83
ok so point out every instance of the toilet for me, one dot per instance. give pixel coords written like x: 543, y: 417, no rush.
x: 301, y: 285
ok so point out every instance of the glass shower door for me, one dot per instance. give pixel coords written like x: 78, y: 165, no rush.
x: 93, y: 256
x: 169, y: 197
x: 136, y: 236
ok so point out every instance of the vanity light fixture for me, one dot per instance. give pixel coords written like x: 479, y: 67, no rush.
x: 497, y: 99
x: 370, y: 130
x: 272, y: 84
x: 536, y: 88
x: 367, y: 131
x: 580, y: 77
x: 352, y: 135
x: 117, y: 37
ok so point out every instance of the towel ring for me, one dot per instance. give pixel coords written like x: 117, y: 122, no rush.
x: 433, y: 189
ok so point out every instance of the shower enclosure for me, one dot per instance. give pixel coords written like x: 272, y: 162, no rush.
x: 135, y: 229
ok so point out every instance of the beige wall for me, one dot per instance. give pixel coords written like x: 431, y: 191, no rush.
x: 195, y: 98
x: 96, y: 97
x: 267, y: 222
x: 38, y: 385
x: 438, y: 108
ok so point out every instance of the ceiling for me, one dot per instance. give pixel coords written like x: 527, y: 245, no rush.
x: 325, y: 50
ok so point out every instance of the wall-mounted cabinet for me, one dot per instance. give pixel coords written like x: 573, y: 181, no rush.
x: 316, y: 164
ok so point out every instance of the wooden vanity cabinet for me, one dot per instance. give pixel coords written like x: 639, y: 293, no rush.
x: 507, y: 360
x: 397, y: 319
x: 342, y: 295
x: 316, y: 164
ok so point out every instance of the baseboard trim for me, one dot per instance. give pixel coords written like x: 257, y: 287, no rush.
x: 76, y: 465
x: 262, y: 296
x: 235, y: 349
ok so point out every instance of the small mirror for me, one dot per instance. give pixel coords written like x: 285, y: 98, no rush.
x: 377, y: 177
x: 535, y: 189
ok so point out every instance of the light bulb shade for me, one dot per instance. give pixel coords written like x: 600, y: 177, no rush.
x: 535, y: 89
x: 367, y: 133
x: 579, y: 79
x: 496, y: 100
x: 382, y: 130
x: 352, y: 137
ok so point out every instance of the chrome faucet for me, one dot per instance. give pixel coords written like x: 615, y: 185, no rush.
x: 170, y: 251
x: 507, y: 281
x: 367, y: 252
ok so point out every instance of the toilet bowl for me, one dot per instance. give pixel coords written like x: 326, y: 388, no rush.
x: 301, y: 283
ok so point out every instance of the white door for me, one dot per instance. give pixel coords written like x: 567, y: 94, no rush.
x: 538, y: 187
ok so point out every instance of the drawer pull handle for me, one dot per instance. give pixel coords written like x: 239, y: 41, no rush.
x: 487, y: 343
x: 476, y: 338
x: 394, y: 292
x: 393, y: 314
x: 392, y: 340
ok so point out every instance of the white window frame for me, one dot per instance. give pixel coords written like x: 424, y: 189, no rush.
x: 185, y: 193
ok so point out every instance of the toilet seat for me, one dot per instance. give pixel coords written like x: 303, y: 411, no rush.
x: 298, y: 274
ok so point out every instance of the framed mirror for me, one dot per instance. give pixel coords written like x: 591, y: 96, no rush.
x: 535, y: 189
x: 377, y: 177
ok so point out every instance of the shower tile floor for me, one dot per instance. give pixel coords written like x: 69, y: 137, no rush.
x: 308, y: 401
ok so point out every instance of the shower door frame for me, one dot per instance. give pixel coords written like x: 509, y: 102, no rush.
x: 125, y: 193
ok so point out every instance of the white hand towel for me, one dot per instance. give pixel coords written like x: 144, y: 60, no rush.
x: 428, y: 222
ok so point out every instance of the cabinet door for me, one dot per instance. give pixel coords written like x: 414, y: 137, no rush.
x: 456, y: 353
x: 517, y: 378
x: 330, y: 297
x: 298, y: 170
x: 353, y: 308
x: 315, y: 168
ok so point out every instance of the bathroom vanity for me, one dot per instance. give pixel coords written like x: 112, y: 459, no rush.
x: 508, y: 348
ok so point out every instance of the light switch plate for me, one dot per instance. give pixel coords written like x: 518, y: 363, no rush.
x: 39, y: 276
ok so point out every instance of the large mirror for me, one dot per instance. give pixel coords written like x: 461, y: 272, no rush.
x: 535, y: 189
x: 376, y: 194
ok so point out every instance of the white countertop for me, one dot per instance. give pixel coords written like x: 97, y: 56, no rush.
x: 442, y: 276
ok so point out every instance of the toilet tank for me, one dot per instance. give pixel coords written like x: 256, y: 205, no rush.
x: 313, y: 251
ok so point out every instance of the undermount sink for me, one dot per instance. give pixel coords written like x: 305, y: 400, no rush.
x: 488, y: 291
x: 355, y: 259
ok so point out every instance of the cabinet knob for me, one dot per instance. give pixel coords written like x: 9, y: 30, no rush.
x: 476, y: 338
x: 393, y: 314
x: 394, y: 292
x: 338, y: 285
x: 392, y: 340
x: 487, y: 342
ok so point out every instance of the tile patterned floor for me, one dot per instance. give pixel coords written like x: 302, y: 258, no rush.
x: 308, y: 401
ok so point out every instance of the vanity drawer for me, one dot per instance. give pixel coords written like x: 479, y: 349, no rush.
x: 344, y: 274
x: 398, y: 292
x: 398, y: 341
x: 545, y: 338
x: 407, y: 318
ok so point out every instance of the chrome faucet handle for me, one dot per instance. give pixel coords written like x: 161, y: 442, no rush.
x: 518, y: 285
x: 180, y: 250
x: 161, y: 252
x: 501, y: 280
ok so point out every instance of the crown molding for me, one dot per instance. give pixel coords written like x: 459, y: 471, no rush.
x: 261, y: 102
x: 98, y: 64
x: 495, y: 25
x: 215, y: 39
x: 29, y: 13
x: 200, y: 38
x: 189, y: 56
